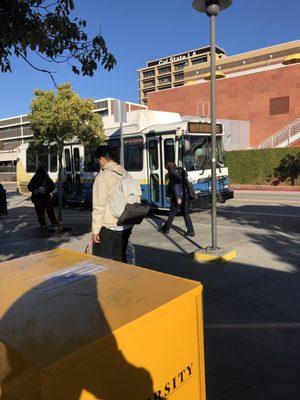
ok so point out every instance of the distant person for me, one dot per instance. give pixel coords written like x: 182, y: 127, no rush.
x: 110, y: 240
x: 179, y: 198
x: 41, y: 186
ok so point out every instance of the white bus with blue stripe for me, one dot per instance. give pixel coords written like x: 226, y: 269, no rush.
x: 151, y: 140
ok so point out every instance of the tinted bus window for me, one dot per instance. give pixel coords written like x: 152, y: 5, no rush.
x: 153, y: 155
x: 90, y: 162
x: 76, y: 159
x: 169, y: 151
x: 133, y: 154
x: 68, y: 160
x: 114, y: 145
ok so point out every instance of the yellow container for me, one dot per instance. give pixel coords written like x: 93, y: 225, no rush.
x: 81, y: 327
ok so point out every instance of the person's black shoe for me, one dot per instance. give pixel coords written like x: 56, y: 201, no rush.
x: 162, y: 230
x: 191, y: 234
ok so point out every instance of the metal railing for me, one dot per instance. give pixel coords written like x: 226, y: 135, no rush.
x: 284, y: 137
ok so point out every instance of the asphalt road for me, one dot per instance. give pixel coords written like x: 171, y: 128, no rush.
x: 251, y: 305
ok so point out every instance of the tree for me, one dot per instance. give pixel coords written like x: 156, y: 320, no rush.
x: 289, y: 168
x: 58, y: 118
x: 46, y: 28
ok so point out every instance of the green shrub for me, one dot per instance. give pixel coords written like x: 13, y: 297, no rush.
x: 257, y: 167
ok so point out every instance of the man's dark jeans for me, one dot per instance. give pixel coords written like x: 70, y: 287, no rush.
x: 113, y: 244
x: 174, y: 209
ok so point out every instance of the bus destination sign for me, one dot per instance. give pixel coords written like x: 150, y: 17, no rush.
x: 203, y: 127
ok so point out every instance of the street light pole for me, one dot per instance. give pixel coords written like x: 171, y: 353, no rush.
x: 212, y: 9
x: 214, y: 245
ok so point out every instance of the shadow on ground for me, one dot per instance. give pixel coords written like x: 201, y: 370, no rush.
x: 252, y: 325
x: 21, y: 234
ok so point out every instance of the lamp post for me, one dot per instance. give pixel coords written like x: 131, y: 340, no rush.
x: 212, y: 9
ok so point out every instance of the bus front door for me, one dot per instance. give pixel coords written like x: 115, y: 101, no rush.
x: 72, y: 183
x: 154, y: 172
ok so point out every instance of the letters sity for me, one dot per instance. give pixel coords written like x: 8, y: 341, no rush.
x: 173, y: 384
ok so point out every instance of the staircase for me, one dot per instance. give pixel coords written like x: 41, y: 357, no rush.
x: 283, y: 138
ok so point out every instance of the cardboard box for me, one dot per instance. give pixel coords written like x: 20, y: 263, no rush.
x: 75, y: 327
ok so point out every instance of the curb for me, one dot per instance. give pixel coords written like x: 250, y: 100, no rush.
x: 266, y: 188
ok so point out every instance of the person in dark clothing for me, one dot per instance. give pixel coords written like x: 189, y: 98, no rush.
x: 179, y: 198
x: 41, y: 185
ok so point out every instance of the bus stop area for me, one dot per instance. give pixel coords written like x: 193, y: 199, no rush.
x: 251, y: 305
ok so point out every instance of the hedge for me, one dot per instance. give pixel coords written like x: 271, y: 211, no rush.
x: 256, y: 166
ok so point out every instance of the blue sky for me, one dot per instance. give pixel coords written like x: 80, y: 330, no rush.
x: 138, y: 31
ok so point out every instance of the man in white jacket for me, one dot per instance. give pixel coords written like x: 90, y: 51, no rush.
x: 110, y: 240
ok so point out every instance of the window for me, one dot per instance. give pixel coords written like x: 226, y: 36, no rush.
x: 154, y: 188
x: 164, y: 70
x: 90, y: 162
x: 199, y: 60
x: 133, y: 154
x: 153, y: 155
x: 279, y: 105
x: 68, y: 160
x: 76, y: 159
x: 180, y: 66
x: 100, y: 104
x: 148, y: 74
x: 42, y: 158
x: 103, y: 113
x: 195, y: 152
x: 53, y: 160
x: 169, y: 151
x: 164, y: 80
x: 178, y: 77
x: 114, y: 145
x: 149, y: 84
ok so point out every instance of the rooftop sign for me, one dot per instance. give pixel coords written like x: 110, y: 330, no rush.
x: 183, y: 56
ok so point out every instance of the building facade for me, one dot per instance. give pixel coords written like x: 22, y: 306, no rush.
x: 261, y: 86
x: 168, y: 72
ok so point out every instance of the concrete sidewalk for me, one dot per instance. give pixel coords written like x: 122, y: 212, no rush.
x: 251, y: 306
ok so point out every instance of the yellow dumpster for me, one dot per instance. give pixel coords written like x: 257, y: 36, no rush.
x: 75, y: 327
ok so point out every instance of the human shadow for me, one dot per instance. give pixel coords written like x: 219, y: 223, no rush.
x: 55, y: 340
x: 251, y: 324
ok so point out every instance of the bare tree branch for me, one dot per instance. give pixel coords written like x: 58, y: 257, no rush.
x: 40, y: 69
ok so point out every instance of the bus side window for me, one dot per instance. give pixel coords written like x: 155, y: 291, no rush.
x: 90, y: 162
x: 114, y: 145
x: 169, y: 151
x: 133, y: 154
x: 43, y: 157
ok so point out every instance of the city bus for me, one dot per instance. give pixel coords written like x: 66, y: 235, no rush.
x: 146, y: 153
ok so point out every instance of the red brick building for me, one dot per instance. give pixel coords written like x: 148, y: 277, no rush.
x: 267, y: 96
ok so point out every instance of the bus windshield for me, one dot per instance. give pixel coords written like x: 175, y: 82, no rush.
x: 195, y: 152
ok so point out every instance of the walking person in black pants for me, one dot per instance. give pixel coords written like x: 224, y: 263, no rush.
x: 110, y: 240
x: 41, y: 186
x: 179, y: 198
